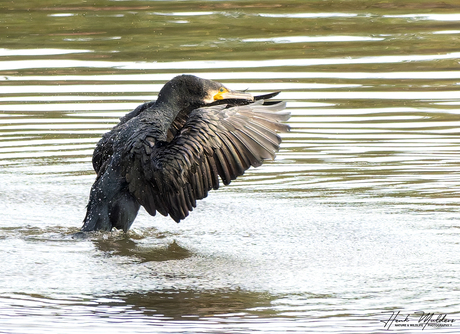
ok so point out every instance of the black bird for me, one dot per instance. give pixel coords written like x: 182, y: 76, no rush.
x: 167, y: 154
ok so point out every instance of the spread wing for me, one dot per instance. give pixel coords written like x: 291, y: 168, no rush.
x: 169, y: 177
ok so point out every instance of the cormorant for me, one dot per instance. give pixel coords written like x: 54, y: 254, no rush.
x: 167, y: 154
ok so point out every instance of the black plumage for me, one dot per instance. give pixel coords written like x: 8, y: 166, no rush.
x: 167, y: 154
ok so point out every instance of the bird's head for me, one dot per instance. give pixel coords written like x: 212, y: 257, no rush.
x: 189, y: 91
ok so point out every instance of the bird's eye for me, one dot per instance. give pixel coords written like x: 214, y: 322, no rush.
x: 222, y: 89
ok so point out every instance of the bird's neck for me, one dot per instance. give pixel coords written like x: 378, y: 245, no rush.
x: 168, y: 110
x: 162, y: 114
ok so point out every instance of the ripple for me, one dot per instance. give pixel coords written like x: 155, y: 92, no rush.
x: 222, y: 75
x: 309, y: 15
x: 185, y: 13
x: 313, y: 39
x: 194, y: 65
x: 433, y: 17
x: 38, y: 52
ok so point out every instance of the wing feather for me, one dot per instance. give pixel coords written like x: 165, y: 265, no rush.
x: 213, y: 142
x: 233, y: 157
x: 224, y: 168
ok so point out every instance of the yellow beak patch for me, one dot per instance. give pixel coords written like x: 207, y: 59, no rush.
x: 219, y: 95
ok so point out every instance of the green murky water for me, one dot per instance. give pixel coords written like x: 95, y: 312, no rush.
x: 356, y: 218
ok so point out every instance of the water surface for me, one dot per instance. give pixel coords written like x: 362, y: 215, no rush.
x: 355, y: 219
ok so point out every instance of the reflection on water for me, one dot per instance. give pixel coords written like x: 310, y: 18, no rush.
x: 126, y: 246
x: 137, y: 312
x: 355, y: 217
x: 200, y: 305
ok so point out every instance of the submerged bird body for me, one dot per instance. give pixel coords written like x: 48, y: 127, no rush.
x: 167, y: 154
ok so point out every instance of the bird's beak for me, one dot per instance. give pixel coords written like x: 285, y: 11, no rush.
x: 233, y: 95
